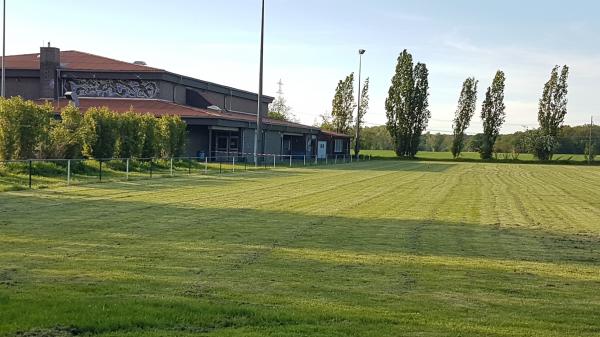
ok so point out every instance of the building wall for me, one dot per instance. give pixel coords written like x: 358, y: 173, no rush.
x: 197, y: 140
x: 28, y: 88
x: 272, y: 141
x: 171, y: 92
x: 331, y: 144
x: 248, y: 140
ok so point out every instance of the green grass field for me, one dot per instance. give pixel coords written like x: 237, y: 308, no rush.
x: 380, y: 248
x: 471, y: 156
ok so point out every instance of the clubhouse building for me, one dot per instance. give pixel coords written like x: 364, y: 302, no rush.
x: 221, y: 120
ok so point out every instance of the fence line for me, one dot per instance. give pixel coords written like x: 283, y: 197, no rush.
x: 30, y: 173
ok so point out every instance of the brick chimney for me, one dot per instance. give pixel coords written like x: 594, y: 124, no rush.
x: 49, y: 63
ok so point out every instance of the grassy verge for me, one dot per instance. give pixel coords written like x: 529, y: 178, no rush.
x: 15, y: 176
x: 524, y: 158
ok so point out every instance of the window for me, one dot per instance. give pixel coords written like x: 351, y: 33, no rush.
x: 233, y: 144
x: 222, y: 143
x: 339, y: 145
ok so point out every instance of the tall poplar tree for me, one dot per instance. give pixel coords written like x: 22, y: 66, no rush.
x: 492, y: 115
x: 343, y: 106
x: 464, y: 113
x: 407, y: 105
x: 360, y: 114
x: 552, y: 111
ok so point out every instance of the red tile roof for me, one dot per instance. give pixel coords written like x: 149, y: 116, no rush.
x: 161, y: 107
x: 76, y: 60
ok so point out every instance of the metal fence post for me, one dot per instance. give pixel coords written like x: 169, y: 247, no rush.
x: 316, y: 159
x: 304, y: 160
x: 100, y: 173
x: 205, y: 165
x: 233, y: 162
x: 30, y: 168
x: 171, y: 166
x: 127, y: 169
x: 290, y: 160
x: 350, y: 159
x: 68, y: 172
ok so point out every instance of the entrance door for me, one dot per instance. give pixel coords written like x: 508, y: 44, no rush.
x: 322, y: 150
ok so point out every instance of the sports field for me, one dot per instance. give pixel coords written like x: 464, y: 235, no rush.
x: 380, y: 248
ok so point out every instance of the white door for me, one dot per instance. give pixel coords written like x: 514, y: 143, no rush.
x: 322, y: 150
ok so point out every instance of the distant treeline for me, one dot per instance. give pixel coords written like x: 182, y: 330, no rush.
x: 572, y: 140
x: 29, y: 130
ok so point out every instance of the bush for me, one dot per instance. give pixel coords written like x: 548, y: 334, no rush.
x: 131, y: 135
x: 172, y: 135
x: 100, y: 131
x: 24, y: 127
x: 66, y: 136
x: 151, y: 140
x: 539, y: 144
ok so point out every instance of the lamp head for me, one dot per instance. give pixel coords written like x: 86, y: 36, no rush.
x: 361, y: 51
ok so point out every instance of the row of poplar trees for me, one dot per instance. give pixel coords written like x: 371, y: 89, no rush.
x: 29, y: 130
x: 408, y: 114
x: 541, y: 142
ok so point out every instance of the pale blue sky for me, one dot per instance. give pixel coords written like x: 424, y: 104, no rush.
x: 312, y: 44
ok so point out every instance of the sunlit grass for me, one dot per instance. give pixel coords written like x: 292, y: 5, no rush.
x: 380, y: 248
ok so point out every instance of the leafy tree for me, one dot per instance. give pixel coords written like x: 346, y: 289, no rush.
x: 131, y: 135
x: 100, y: 132
x: 552, y: 111
x: 436, y: 142
x: 67, y: 135
x: 280, y: 110
x: 376, y: 138
x: 150, y: 147
x: 539, y: 143
x: 172, y: 135
x: 360, y: 114
x: 493, y: 115
x: 464, y: 113
x: 23, y: 127
x: 343, y: 106
x: 407, y: 105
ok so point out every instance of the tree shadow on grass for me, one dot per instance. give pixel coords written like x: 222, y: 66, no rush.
x: 162, y: 219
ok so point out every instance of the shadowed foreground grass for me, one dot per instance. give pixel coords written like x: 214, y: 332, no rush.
x: 371, y: 249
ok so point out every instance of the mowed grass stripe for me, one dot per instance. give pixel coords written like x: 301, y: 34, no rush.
x: 369, y: 249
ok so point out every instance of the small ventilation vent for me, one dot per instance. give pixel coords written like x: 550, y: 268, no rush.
x: 139, y: 63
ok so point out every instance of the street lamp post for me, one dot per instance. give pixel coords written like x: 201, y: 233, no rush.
x: 357, y: 138
x: 257, y: 134
x: 3, y: 82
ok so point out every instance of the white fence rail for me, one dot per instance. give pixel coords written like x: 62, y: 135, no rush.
x: 40, y: 173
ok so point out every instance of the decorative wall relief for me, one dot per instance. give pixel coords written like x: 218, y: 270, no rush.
x: 113, y: 88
